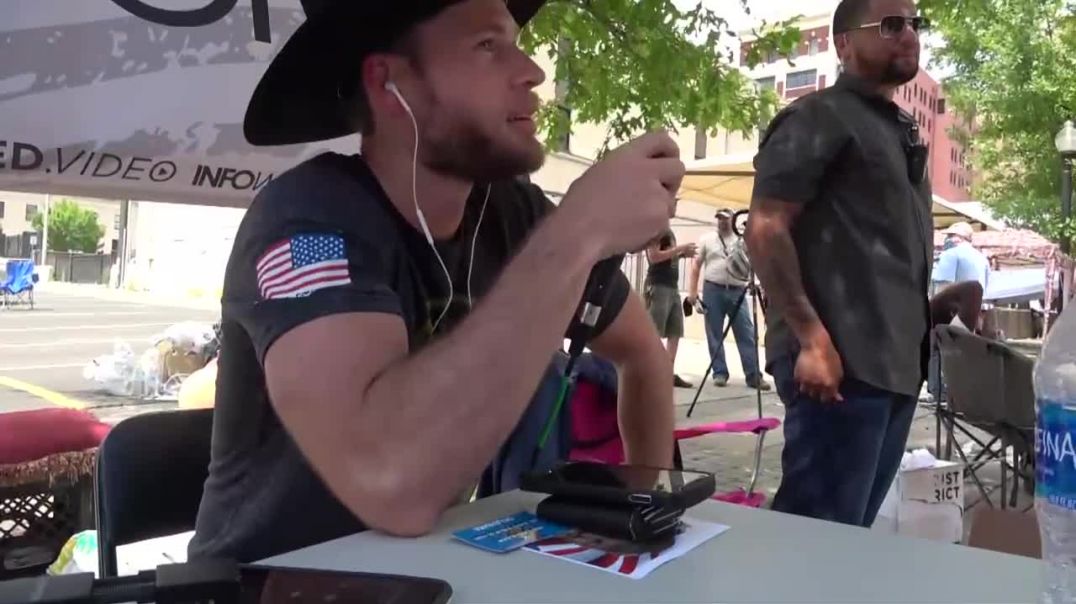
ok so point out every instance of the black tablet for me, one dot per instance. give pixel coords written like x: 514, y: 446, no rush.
x: 637, y: 485
x: 224, y: 582
x: 270, y: 585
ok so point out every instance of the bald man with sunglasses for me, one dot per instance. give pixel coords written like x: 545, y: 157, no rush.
x: 840, y: 236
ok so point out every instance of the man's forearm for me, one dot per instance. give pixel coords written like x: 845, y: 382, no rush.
x: 440, y: 415
x: 655, y: 256
x: 646, y: 412
x: 693, y: 280
x: 777, y: 265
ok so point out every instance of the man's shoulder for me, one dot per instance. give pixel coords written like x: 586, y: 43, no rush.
x: 813, y: 112
x: 329, y: 191
x: 314, y: 186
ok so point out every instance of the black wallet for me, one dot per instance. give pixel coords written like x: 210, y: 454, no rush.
x: 616, y: 521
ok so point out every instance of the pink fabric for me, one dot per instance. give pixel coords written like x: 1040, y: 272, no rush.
x: 29, y: 435
x: 597, y: 434
x: 756, y: 425
x: 593, y: 414
x: 741, y: 497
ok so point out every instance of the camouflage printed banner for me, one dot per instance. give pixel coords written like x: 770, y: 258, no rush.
x: 140, y: 99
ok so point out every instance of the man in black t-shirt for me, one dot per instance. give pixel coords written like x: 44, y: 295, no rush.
x: 387, y: 317
x: 662, y: 291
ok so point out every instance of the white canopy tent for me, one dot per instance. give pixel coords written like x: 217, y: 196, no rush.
x: 139, y: 99
x: 727, y: 182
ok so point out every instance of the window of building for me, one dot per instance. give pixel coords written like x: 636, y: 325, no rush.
x: 31, y: 211
x: 2, y: 209
x: 766, y: 83
x: 930, y: 125
x: 801, y: 79
x: 812, y: 47
x: 116, y: 222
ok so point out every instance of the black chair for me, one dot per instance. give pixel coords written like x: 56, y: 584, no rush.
x: 989, y: 387
x: 151, y: 470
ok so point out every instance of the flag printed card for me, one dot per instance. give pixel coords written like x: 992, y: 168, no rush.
x: 624, y: 558
x: 511, y: 533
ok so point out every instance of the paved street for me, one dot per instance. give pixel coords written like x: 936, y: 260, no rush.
x: 43, y: 351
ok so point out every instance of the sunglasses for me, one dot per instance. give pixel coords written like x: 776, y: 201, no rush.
x: 893, y: 25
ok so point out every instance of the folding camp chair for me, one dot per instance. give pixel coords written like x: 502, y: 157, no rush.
x: 151, y: 471
x: 18, y: 288
x: 989, y: 388
x: 596, y: 437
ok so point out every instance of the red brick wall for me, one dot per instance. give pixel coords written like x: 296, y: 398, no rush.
x: 795, y: 93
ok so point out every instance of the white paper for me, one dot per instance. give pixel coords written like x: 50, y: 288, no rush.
x: 622, y: 558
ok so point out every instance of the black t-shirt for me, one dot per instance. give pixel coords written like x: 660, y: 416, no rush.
x: 324, y: 239
x: 665, y: 273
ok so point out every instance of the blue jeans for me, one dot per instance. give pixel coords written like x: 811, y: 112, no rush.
x: 839, y: 459
x: 720, y: 301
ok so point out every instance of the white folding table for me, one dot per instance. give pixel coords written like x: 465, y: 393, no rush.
x: 765, y: 557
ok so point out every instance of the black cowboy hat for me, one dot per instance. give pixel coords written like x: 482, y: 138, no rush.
x: 298, y: 99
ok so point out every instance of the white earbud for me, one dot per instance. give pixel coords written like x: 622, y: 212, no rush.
x: 391, y: 87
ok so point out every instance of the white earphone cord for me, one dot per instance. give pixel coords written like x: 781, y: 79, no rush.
x: 422, y: 218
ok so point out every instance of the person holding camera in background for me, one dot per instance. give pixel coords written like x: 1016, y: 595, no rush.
x: 723, y: 264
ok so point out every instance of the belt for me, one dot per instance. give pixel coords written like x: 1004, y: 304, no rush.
x: 723, y: 286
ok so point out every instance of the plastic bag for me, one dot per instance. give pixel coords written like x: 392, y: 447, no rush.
x: 123, y: 374
x: 79, y: 555
x: 115, y: 372
x: 189, y: 337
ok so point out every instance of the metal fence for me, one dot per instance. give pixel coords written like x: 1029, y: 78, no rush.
x: 22, y: 245
x: 635, y: 266
x: 76, y: 267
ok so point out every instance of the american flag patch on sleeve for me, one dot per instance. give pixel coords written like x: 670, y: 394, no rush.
x: 301, y: 265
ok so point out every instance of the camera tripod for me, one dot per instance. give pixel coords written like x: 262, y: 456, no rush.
x: 751, y: 288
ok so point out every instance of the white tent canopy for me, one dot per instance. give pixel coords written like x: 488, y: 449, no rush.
x: 139, y: 99
x: 727, y: 182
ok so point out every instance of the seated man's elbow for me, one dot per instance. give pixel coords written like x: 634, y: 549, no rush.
x: 385, y: 500
x: 405, y: 520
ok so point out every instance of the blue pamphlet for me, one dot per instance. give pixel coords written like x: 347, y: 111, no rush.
x: 511, y: 533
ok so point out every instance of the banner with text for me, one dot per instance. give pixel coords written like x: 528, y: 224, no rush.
x: 140, y: 99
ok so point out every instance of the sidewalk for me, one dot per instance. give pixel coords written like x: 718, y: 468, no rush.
x: 103, y: 292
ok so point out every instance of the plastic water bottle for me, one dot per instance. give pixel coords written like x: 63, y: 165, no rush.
x: 1055, y: 459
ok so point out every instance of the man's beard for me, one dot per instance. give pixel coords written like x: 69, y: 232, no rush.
x: 463, y: 150
x: 893, y: 75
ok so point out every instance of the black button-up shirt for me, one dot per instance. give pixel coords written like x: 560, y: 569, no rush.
x: 864, y: 237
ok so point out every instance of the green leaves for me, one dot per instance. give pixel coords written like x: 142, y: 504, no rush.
x: 72, y: 228
x: 1014, y: 64
x: 642, y: 64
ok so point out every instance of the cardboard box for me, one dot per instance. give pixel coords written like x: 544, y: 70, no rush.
x: 926, y: 503
x: 932, y: 502
x: 1006, y: 531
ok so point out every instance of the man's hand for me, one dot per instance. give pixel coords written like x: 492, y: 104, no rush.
x: 688, y: 250
x: 627, y: 199
x: 819, y: 370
